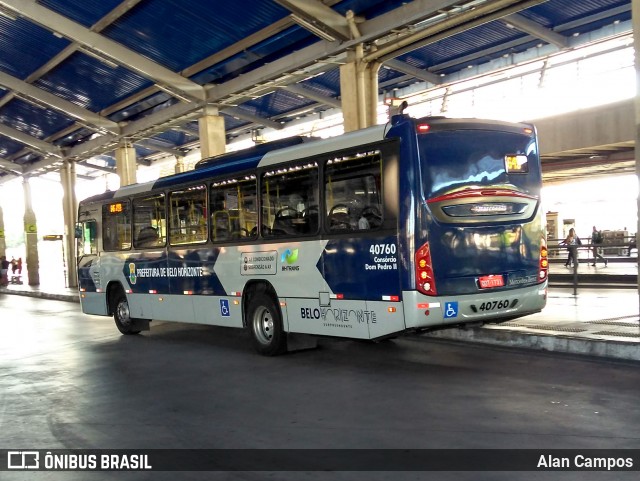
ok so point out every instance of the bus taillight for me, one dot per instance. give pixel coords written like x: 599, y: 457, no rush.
x: 544, y: 263
x: 425, y: 280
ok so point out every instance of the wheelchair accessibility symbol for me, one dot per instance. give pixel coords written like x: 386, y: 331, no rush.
x: 450, y: 310
x: 224, y: 308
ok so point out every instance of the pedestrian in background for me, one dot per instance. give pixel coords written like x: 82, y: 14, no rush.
x: 572, y: 242
x: 596, y: 240
x: 4, y: 267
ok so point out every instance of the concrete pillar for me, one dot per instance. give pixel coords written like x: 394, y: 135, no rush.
x: 180, y: 167
x: 126, y: 165
x: 635, y: 16
x: 213, y: 139
x: 30, y: 236
x: 70, y: 210
x: 3, y: 244
x: 359, y: 91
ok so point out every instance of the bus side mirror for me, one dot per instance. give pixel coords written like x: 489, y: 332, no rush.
x: 78, y: 231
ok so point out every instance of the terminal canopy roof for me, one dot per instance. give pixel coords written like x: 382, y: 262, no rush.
x: 79, y: 77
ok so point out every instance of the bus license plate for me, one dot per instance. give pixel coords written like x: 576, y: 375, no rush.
x: 494, y: 305
x: 487, y: 282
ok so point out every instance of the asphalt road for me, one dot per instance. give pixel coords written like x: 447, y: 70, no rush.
x: 70, y: 381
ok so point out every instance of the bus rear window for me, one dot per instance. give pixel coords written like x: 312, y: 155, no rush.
x: 456, y: 159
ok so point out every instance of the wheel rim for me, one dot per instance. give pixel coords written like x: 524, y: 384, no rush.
x: 263, y: 325
x: 123, y: 313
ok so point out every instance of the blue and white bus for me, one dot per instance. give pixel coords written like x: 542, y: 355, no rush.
x: 418, y: 225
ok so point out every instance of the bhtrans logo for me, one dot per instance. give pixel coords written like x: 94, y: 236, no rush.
x: 23, y: 460
x: 289, y: 257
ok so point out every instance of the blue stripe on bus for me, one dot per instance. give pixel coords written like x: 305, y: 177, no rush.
x: 184, y: 270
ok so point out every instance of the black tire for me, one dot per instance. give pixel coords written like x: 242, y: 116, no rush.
x: 265, y: 324
x: 122, y: 316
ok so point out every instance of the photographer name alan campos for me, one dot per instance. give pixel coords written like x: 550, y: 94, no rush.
x: 585, y: 462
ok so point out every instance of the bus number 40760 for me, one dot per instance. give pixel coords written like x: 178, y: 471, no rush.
x: 491, y: 305
x: 379, y: 249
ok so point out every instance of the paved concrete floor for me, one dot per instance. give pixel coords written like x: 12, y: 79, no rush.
x: 72, y: 381
x: 597, y: 322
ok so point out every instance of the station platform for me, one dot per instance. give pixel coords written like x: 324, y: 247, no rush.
x: 619, y: 272
x: 602, y: 322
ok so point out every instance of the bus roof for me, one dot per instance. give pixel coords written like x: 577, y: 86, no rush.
x: 474, y: 123
x: 248, y: 160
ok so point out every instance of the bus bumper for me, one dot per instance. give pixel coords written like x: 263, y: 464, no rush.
x: 94, y: 303
x: 487, y: 307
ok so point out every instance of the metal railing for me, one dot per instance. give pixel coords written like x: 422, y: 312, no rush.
x: 584, y: 252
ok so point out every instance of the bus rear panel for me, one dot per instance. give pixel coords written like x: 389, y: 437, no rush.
x: 480, y: 252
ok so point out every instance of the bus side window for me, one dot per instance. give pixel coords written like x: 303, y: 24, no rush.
x: 353, y: 197
x: 290, y: 201
x: 116, y: 226
x: 188, y: 219
x: 234, y: 212
x: 149, y: 221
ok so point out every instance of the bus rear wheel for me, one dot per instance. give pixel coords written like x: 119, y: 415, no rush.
x: 122, y: 316
x: 265, y: 323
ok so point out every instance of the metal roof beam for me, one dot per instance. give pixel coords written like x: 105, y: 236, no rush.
x: 57, y: 103
x: 532, y: 28
x: 468, y: 18
x: 287, y: 70
x: 298, y: 89
x: 395, y: 81
x: 480, y: 54
x: 70, y: 49
x: 295, y: 67
x: 420, y: 74
x: 43, y: 165
x: 11, y: 167
x: 114, y: 14
x: 319, y: 19
x: 185, y: 130
x: 73, y: 47
x: 107, y: 48
x: 244, y: 115
x: 322, y: 56
x: 37, y: 144
x: 146, y: 126
x: 161, y: 120
x: 102, y: 168
x: 152, y: 145
x: 610, y: 12
x: 521, y: 41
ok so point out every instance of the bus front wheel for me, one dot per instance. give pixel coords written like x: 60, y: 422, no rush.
x: 122, y: 316
x: 265, y: 323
